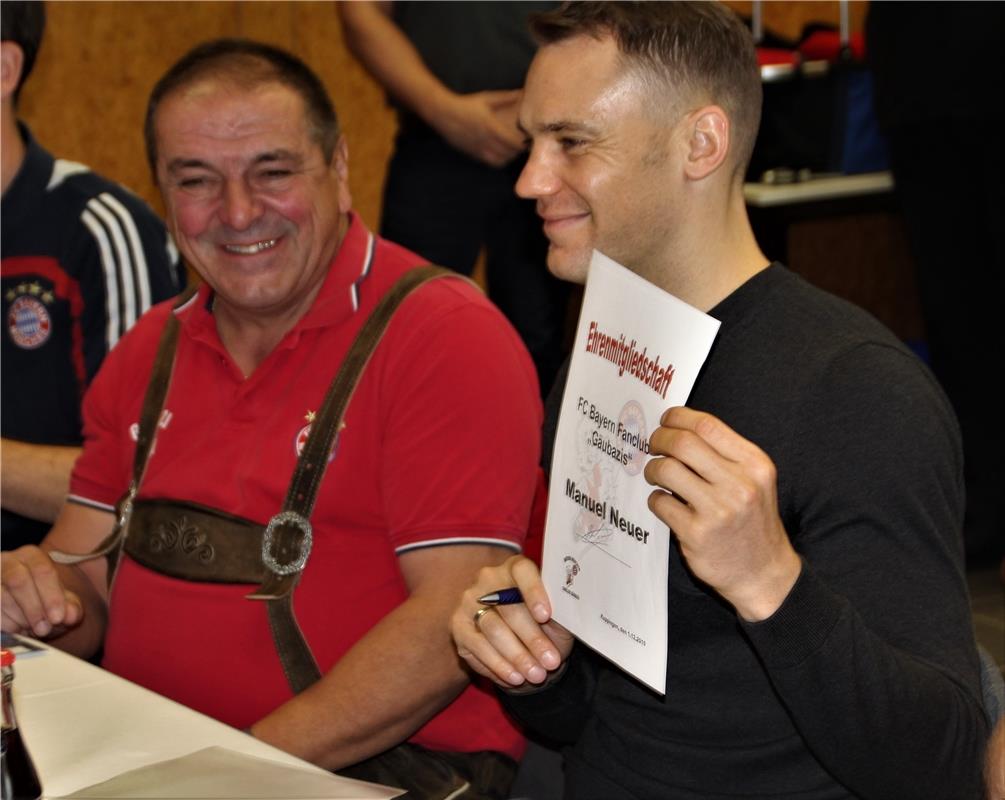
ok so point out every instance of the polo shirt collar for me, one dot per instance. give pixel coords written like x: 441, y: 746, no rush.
x: 351, y: 267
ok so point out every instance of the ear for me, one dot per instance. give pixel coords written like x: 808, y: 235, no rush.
x: 340, y: 159
x: 340, y: 170
x: 11, y: 63
x: 708, y: 131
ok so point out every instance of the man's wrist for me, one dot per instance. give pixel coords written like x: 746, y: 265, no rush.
x: 771, y: 590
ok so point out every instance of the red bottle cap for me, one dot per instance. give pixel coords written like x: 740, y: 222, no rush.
x: 6, y: 658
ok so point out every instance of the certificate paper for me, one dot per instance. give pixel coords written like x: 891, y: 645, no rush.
x: 637, y: 352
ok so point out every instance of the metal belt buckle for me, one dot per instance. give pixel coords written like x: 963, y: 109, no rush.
x: 287, y: 518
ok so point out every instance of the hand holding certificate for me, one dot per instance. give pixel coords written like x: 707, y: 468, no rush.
x: 718, y: 495
x: 638, y: 351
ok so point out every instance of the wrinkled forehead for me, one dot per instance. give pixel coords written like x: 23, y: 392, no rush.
x: 213, y: 116
x: 221, y: 101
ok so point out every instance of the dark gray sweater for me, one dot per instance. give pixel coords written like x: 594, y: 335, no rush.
x: 865, y: 682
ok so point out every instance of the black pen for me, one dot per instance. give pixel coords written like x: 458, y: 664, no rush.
x: 504, y: 597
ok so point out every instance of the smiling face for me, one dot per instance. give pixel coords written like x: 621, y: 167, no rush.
x: 603, y: 163
x: 251, y: 202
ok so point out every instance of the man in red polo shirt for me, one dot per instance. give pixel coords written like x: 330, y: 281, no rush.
x: 430, y: 478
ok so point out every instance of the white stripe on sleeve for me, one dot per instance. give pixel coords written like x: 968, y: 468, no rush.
x: 445, y: 542
x: 141, y: 272
x: 86, y: 501
x: 111, y: 279
x: 123, y: 263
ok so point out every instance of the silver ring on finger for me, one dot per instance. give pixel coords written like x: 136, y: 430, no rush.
x: 481, y: 612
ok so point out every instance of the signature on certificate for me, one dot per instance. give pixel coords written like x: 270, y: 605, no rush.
x: 597, y: 537
x: 600, y: 534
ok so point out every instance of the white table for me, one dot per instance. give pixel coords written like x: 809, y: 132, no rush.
x: 84, y: 725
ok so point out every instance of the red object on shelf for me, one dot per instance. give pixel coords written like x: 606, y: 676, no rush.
x: 774, y: 56
x: 826, y: 46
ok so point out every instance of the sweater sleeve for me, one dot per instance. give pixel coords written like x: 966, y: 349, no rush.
x: 873, y: 653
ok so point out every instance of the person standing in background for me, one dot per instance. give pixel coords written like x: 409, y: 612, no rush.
x: 455, y: 71
x: 939, y: 71
x: 82, y: 259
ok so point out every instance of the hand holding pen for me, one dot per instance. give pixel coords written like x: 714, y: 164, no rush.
x: 507, y: 634
x: 503, y: 597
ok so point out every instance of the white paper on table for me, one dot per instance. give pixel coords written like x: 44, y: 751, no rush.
x: 637, y: 352
x: 87, y: 728
x: 216, y: 773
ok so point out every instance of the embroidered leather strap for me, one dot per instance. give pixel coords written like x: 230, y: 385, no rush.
x: 195, y: 543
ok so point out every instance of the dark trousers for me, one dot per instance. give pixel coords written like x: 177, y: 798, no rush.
x: 447, y: 207
x: 953, y: 210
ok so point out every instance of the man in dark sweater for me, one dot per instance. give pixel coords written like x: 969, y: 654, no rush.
x: 820, y: 638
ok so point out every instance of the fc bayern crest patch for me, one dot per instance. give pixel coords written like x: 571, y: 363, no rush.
x: 28, y: 322
x: 301, y: 438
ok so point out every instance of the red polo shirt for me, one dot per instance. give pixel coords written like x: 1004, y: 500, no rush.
x: 440, y: 446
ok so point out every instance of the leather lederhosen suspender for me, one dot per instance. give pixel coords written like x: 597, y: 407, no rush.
x: 150, y: 411
x: 196, y: 543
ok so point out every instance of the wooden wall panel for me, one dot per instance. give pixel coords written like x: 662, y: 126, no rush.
x: 87, y: 96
